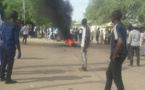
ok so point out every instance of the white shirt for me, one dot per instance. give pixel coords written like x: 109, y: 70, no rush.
x: 56, y: 31
x: 80, y: 31
x: 83, y: 37
x: 134, y: 38
x: 25, y: 30
x: 107, y: 34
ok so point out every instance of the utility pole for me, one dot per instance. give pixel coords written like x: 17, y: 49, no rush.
x: 24, y: 12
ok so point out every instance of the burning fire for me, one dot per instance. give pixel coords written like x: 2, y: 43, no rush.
x: 70, y: 42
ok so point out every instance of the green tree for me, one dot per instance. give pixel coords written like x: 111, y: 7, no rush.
x: 12, y: 5
x: 98, y: 11
x: 1, y: 5
x: 32, y: 10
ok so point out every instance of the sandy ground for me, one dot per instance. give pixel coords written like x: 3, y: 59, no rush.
x: 51, y: 65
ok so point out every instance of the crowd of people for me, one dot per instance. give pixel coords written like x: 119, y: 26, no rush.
x: 46, y: 32
x: 103, y: 38
x: 123, y: 43
x: 77, y: 33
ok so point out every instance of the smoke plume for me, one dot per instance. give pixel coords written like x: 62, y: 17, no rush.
x: 59, y: 12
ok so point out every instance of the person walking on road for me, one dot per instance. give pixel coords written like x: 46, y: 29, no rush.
x: 97, y: 35
x: 10, y: 37
x: 25, y: 34
x: 118, y: 52
x: 85, y: 44
x: 134, y: 42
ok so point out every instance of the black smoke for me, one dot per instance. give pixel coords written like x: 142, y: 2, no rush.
x: 59, y: 12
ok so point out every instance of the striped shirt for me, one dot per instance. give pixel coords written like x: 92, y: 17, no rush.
x: 119, y: 31
x: 86, y: 37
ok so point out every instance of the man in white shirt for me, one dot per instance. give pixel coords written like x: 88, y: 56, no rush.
x: 25, y: 33
x: 134, y: 41
x: 85, y: 44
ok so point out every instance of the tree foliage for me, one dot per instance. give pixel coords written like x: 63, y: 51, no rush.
x: 1, y: 5
x: 12, y: 5
x: 32, y: 8
x: 99, y: 11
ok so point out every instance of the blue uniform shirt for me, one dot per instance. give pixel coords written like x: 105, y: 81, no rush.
x: 10, y: 36
x: 119, y: 31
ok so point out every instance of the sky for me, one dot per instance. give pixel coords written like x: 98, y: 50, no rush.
x: 79, y: 7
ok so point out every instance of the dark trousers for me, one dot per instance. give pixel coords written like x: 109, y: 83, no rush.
x: 136, y: 49
x: 25, y: 38
x: 128, y: 51
x: 114, y: 73
x: 106, y: 40
x: 76, y: 38
x: 80, y: 37
x: 0, y: 61
x: 7, y: 60
x: 97, y: 39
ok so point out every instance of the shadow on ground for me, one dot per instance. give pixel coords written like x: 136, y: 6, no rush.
x: 40, y: 72
x: 105, y: 68
x: 66, y: 84
x: 54, y: 78
x: 33, y: 58
x: 62, y: 65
